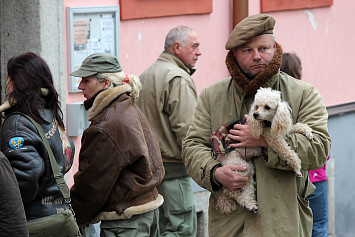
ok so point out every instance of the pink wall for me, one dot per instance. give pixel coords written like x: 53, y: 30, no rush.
x: 142, y: 40
x: 323, y: 38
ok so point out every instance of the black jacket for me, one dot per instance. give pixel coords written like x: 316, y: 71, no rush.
x: 12, y: 214
x: 22, y: 145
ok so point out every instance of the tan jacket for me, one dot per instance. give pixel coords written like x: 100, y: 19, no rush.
x: 284, y: 211
x: 168, y: 99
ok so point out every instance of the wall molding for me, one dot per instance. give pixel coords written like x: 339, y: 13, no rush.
x: 135, y: 9
x: 336, y: 110
x: 283, y: 5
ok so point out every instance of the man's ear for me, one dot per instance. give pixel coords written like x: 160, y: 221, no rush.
x: 176, y: 48
x: 107, y: 82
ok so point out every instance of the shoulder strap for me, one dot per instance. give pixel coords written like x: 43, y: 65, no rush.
x: 59, y: 177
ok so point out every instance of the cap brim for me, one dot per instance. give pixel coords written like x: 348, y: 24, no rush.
x: 82, y: 73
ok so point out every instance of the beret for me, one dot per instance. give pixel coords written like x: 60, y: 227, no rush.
x: 250, y: 27
x: 98, y: 62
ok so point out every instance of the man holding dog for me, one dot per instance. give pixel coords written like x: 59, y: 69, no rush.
x: 254, y: 61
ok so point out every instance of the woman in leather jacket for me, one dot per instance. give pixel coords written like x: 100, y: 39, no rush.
x: 120, y: 163
x: 31, y: 91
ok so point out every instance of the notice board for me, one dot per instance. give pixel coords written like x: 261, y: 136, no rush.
x: 90, y: 30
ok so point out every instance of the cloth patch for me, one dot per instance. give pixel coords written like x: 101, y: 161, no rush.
x: 220, y: 141
x: 16, y: 142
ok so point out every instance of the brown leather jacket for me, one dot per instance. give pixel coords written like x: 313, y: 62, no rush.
x: 120, y: 163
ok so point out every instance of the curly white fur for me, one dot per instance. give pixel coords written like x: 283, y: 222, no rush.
x: 227, y: 200
x: 268, y: 107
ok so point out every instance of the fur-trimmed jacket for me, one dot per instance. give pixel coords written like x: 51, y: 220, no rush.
x: 119, y: 162
x: 281, y: 196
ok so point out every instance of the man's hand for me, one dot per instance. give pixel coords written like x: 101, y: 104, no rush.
x: 240, y: 132
x: 228, y: 177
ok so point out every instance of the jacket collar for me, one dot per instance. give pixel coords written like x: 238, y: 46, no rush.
x: 104, y: 98
x: 7, y: 104
x: 251, y: 86
x: 167, y: 56
x: 89, y: 102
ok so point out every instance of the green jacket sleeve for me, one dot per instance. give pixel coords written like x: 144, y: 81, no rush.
x: 196, y: 150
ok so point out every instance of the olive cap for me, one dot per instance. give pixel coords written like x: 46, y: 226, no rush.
x: 248, y: 28
x: 98, y: 62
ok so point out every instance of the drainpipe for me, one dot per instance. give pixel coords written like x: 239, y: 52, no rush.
x: 240, y: 11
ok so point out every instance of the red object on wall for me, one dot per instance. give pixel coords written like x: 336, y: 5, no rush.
x: 134, y: 9
x: 282, y: 5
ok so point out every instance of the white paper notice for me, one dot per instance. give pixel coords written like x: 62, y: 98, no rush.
x: 94, y: 46
x: 107, y: 34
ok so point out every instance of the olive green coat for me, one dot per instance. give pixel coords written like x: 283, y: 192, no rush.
x: 284, y: 211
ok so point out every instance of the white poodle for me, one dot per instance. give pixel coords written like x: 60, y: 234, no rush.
x: 269, y: 117
x: 227, y: 200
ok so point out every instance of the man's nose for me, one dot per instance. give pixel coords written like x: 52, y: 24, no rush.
x: 198, y: 52
x: 256, y: 56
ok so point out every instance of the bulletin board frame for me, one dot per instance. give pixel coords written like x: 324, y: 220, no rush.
x: 90, y: 30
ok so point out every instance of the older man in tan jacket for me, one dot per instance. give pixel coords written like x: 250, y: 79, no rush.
x: 254, y: 61
x: 168, y: 99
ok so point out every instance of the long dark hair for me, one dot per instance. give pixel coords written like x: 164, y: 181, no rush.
x: 29, y: 73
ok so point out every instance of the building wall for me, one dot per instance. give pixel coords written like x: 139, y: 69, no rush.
x: 36, y: 26
x: 322, y: 38
x: 142, y: 40
x: 342, y: 131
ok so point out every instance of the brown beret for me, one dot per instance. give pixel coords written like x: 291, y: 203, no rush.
x: 250, y: 27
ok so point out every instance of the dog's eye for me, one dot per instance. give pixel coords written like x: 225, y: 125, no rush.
x: 267, y: 107
x: 256, y: 107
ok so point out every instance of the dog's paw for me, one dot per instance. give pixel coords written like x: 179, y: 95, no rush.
x: 309, y: 135
x: 253, y: 209
x: 299, y: 174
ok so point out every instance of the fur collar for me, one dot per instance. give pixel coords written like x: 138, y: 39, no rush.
x: 251, y: 86
x: 7, y: 105
x: 103, y: 99
x: 129, y: 212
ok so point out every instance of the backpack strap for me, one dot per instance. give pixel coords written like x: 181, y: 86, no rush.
x: 59, y: 177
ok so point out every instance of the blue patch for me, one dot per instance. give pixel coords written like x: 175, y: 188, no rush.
x: 16, y: 142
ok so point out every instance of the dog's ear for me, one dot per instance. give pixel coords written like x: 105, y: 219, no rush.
x: 255, y: 126
x: 282, y: 120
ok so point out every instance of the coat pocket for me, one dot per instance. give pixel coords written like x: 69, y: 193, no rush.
x: 306, y: 216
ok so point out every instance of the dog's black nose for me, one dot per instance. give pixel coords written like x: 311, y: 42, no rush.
x: 255, y: 115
